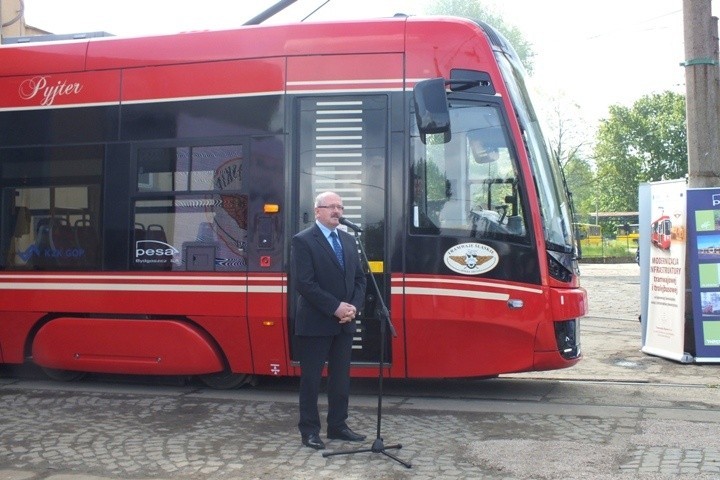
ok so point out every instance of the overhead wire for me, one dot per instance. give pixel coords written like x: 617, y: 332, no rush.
x: 628, y: 26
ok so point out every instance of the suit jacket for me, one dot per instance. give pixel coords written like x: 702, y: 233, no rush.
x: 322, y: 283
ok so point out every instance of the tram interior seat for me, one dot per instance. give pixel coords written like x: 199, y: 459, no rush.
x: 62, y: 237
x: 139, y: 232
x: 87, y: 239
x: 53, y: 239
x: 154, y: 232
x: 73, y: 245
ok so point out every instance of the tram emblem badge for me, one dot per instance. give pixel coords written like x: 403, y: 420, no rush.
x: 471, y: 258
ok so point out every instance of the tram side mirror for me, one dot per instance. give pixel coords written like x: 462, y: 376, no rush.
x: 431, y: 108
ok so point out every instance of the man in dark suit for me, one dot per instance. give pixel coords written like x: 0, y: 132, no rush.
x: 328, y: 275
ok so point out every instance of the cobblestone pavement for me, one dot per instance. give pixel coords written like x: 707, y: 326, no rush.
x: 618, y: 413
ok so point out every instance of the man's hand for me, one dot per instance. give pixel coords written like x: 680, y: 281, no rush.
x: 346, y: 312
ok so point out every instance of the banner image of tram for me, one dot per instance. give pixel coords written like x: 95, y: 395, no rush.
x: 661, y: 236
x: 150, y: 188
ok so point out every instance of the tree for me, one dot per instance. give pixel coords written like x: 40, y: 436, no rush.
x: 567, y: 135
x: 580, y: 179
x: 646, y: 142
x: 474, y: 10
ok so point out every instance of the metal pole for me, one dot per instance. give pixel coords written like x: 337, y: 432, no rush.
x: 702, y: 78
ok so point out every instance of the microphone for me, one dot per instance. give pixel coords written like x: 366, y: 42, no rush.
x: 349, y: 224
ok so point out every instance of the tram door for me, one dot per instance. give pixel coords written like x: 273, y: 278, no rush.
x: 341, y: 144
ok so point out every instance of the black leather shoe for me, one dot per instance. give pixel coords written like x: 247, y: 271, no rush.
x: 313, y: 441
x: 345, y: 434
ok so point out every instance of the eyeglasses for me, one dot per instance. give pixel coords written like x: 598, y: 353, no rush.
x: 332, y: 207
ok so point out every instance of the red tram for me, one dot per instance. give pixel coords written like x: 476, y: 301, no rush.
x: 150, y: 187
x: 661, y: 235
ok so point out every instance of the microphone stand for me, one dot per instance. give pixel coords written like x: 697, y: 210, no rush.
x: 378, y: 445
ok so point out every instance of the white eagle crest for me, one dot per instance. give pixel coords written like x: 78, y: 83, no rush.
x: 471, y: 259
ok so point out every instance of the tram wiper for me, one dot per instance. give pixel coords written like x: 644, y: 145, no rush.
x: 461, y: 85
x: 558, y: 247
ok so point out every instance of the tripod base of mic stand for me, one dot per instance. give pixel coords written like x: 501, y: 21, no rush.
x: 377, y: 447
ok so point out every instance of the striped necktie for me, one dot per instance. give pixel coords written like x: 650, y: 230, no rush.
x: 337, y: 248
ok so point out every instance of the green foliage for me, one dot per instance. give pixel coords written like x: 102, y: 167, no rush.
x: 609, y: 248
x: 435, y: 182
x: 474, y: 10
x: 567, y: 135
x: 643, y: 143
x: 580, y: 179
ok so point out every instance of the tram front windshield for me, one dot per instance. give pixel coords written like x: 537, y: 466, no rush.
x: 469, y: 185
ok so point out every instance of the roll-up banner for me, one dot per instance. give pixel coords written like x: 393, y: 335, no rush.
x: 664, y: 319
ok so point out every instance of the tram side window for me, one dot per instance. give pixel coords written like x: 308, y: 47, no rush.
x: 180, y: 169
x: 51, y: 208
x: 202, y: 224
x: 468, y: 186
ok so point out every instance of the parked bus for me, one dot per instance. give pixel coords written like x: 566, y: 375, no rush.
x: 150, y: 187
x: 588, y: 234
x: 661, y: 235
x: 629, y: 233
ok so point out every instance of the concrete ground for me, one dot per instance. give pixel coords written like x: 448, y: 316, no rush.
x: 617, y: 414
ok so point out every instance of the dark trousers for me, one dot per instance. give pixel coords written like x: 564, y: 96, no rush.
x: 314, y: 351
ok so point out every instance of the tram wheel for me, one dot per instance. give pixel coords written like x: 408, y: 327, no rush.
x: 63, y: 375
x: 225, y: 380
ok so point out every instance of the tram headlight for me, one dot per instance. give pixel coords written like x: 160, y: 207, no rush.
x: 567, y: 338
x: 561, y: 266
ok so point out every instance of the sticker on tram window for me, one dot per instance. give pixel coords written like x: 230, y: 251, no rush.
x: 154, y: 252
x: 471, y: 258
